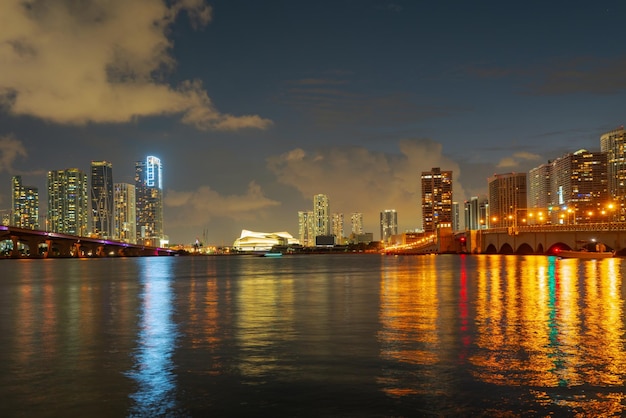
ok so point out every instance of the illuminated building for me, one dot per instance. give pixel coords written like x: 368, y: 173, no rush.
x: 102, y: 198
x: 436, y: 198
x: 388, y: 224
x: 507, y: 194
x: 321, y: 213
x: 539, y: 190
x: 67, y: 202
x: 25, y: 203
x: 614, y: 144
x: 149, y: 198
x: 456, y: 216
x: 305, y: 228
x: 356, y: 220
x: 337, y: 226
x: 262, y: 241
x: 125, y: 214
x: 579, y: 181
x: 476, y: 213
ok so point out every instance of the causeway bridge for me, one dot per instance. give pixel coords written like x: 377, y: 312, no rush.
x: 527, y: 239
x: 19, y: 243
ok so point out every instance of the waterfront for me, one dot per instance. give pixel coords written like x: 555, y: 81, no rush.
x: 317, y: 335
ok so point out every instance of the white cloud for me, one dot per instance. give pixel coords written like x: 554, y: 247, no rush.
x: 197, y: 207
x: 517, y: 159
x: 10, y: 150
x: 360, y: 180
x: 101, y: 61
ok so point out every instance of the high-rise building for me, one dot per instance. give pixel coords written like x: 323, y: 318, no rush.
x: 149, y: 197
x: 476, y: 213
x: 67, y: 202
x: 613, y: 143
x: 337, y: 226
x: 25, y: 202
x: 388, y: 224
x: 356, y: 221
x: 507, y: 196
x: 436, y: 199
x: 539, y: 186
x: 102, y: 217
x: 306, y: 225
x: 321, y: 213
x: 456, y: 216
x: 125, y: 214
x: 579, y: 182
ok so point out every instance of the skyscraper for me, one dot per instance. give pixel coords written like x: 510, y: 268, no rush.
x: 388, y: 224
x: 476, y: 213
x: 337, y: 226
x: 321, y: 213
x: 356, y: 220
x: 579, y: 182
x: 305, y: 228
x: 539, y: 190
x: 67, y: 202
x: 125, y: 214
x: 102, y: 198
x: 507, y: 195
x: 149, y: 196
x: 25, y: 203
x: 436, y: 199
x: 614, y: 144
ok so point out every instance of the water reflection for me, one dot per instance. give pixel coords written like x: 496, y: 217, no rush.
x: 409, y: 313
x: 154, y: 369
x: 539, y: 324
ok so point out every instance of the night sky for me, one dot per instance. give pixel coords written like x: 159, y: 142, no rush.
x: 256, y: 106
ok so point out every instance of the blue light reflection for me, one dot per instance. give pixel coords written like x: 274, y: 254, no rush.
x: 154, y: 369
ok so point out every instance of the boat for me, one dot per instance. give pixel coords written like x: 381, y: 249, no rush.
x: 271, y: 254
x: 587, y: 255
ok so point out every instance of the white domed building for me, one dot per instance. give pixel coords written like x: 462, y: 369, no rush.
x: 251, y: 241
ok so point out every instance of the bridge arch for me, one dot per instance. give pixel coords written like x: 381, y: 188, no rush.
x: 524, y: 249
x: 491, y: 249
x: 506, y: 249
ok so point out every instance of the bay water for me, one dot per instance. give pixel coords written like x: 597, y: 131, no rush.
x: 313, y: 335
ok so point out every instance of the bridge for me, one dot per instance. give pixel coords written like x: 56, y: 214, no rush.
x: 20, y: 242
x: 527, y: 239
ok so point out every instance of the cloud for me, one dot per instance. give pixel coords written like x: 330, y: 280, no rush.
x: 196, y: 208
x: 103, y: 62
x: 331, y: 102
x: 583, y: 74
x: 360, y: 180
x: 516, y: 159
x: 10, y: 150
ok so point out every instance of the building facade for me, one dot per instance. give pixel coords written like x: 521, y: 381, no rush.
x: 306, y: 228
x: 25, y: 205
x: 67, y: 202
x: 102, y: 216
x: 539, y: 186
x: 613, y: 143
x: 507, y: 199
x: 337, y: 227
x: 125, y: 213
x: 356, y: 223
x: 149, y: 201
x: 436, y: 199
x: 578, y: 183
x: 476, y: 213
x: 321, y: 213
x: 388, y: 224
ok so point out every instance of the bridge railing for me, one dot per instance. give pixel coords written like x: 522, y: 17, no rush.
x: 582, y: 227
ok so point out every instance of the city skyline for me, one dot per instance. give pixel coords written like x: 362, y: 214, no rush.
x: 257, y: 107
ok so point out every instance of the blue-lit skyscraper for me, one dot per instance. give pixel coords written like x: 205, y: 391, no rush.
x: 149, y: 195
